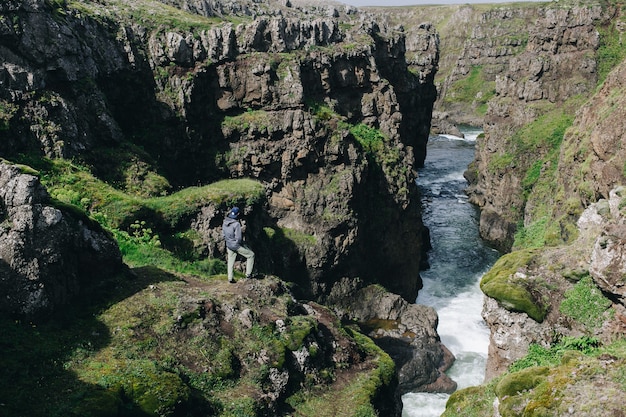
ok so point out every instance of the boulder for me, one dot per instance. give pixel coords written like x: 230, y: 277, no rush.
x: 49, y: 253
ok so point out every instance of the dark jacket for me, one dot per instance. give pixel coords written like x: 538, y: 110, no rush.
x: 231, y: 230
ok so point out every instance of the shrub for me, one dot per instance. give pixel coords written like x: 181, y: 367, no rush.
x: 585, y: 303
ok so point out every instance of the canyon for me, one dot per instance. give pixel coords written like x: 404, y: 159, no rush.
x: 144, y: 121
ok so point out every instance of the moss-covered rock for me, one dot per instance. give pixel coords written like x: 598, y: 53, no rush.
x: 523, y: 380
x: 506, y: 283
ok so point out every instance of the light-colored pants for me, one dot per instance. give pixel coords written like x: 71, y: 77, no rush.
x: 232, y: 255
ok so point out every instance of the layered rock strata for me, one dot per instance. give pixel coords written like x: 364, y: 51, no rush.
x: 328, y: 114
x: 273, y: 99
x: 558, y: 64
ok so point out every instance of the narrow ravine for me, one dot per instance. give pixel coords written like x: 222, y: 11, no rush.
x: 458, y: 260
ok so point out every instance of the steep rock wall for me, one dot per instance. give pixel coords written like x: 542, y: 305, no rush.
x: 557, y: 65
x: 238, y: 100
x: 597, y: 135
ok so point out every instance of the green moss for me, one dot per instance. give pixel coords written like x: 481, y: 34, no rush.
x: 298, y: 328
x: 355, y: 397
x: 512, y: 292
x: 532, y: 235
x: 257, y: 119
x: 285, y: 237
x: 523, y: 380
x: 471, y: 402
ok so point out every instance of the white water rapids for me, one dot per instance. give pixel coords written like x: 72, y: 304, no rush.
x: 458, y: 260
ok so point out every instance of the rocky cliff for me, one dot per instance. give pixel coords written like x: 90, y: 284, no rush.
x: 318, y: 111
x: 132, y: 111
x: 535, y: 101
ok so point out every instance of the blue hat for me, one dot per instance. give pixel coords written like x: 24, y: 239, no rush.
x: 233, y: 213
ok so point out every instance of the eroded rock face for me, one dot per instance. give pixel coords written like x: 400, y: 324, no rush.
x: 597, y: 252
x: 239, y: 101
x: 48, y: 255
x: 406, y: 331
x: 557, y: 64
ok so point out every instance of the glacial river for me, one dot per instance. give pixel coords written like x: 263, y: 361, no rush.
x: 458, y: 260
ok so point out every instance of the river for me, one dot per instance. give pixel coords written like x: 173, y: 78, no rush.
x: 458, y: 260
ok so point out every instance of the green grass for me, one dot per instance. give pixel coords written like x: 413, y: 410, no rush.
x: 149, y: 231
x: 611, y: 51
x: 149, y: 13
x: 586, y: 304
x: 473, y: 88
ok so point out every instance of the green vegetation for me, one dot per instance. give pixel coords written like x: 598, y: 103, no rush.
x: 472, y: 89
x: 533, y: 235
x: 549, y: 381
x: 149, y: 231
x: 512, y: 289
x: 585, y: 304
x: 7, y: 111
x: 354, y: 400
x: 285, y: 234
x: 611, y: 51
x: 539, y: 356
x: 155, y: 346
x: 536, y: 148
x: 370, y: 139
x: 150, y: 13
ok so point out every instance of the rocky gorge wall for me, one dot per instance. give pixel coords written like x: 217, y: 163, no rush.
x: 274, y: 100
x: 534, y: 100
x: 317, y: 103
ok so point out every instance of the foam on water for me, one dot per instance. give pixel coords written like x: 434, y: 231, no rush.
x: 458, y: 260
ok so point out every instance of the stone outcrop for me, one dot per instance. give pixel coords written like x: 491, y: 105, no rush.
x: 407, y: 332
x: 49, y: 255
x: 273, y: 98
x: 596, y: 253
x: 557, y: 64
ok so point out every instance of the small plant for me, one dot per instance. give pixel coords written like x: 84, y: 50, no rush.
x: 585, y: 303
x: 551, y: 356
x: 370, y: 139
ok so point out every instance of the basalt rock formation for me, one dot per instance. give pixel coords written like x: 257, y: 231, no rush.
x: 49, y: 254
x: 275, y: 99
x: 556, y: 68
x: 317, y: 102
x: 597, y: 250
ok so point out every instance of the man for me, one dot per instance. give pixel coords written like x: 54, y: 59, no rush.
x: 231, y: 230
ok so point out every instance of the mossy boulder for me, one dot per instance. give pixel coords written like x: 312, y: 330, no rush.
x: 512, y: 288
x: 523, y: 380
x: 154, y: 391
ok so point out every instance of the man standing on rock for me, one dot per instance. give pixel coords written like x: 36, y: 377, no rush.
x: 231, y: 230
